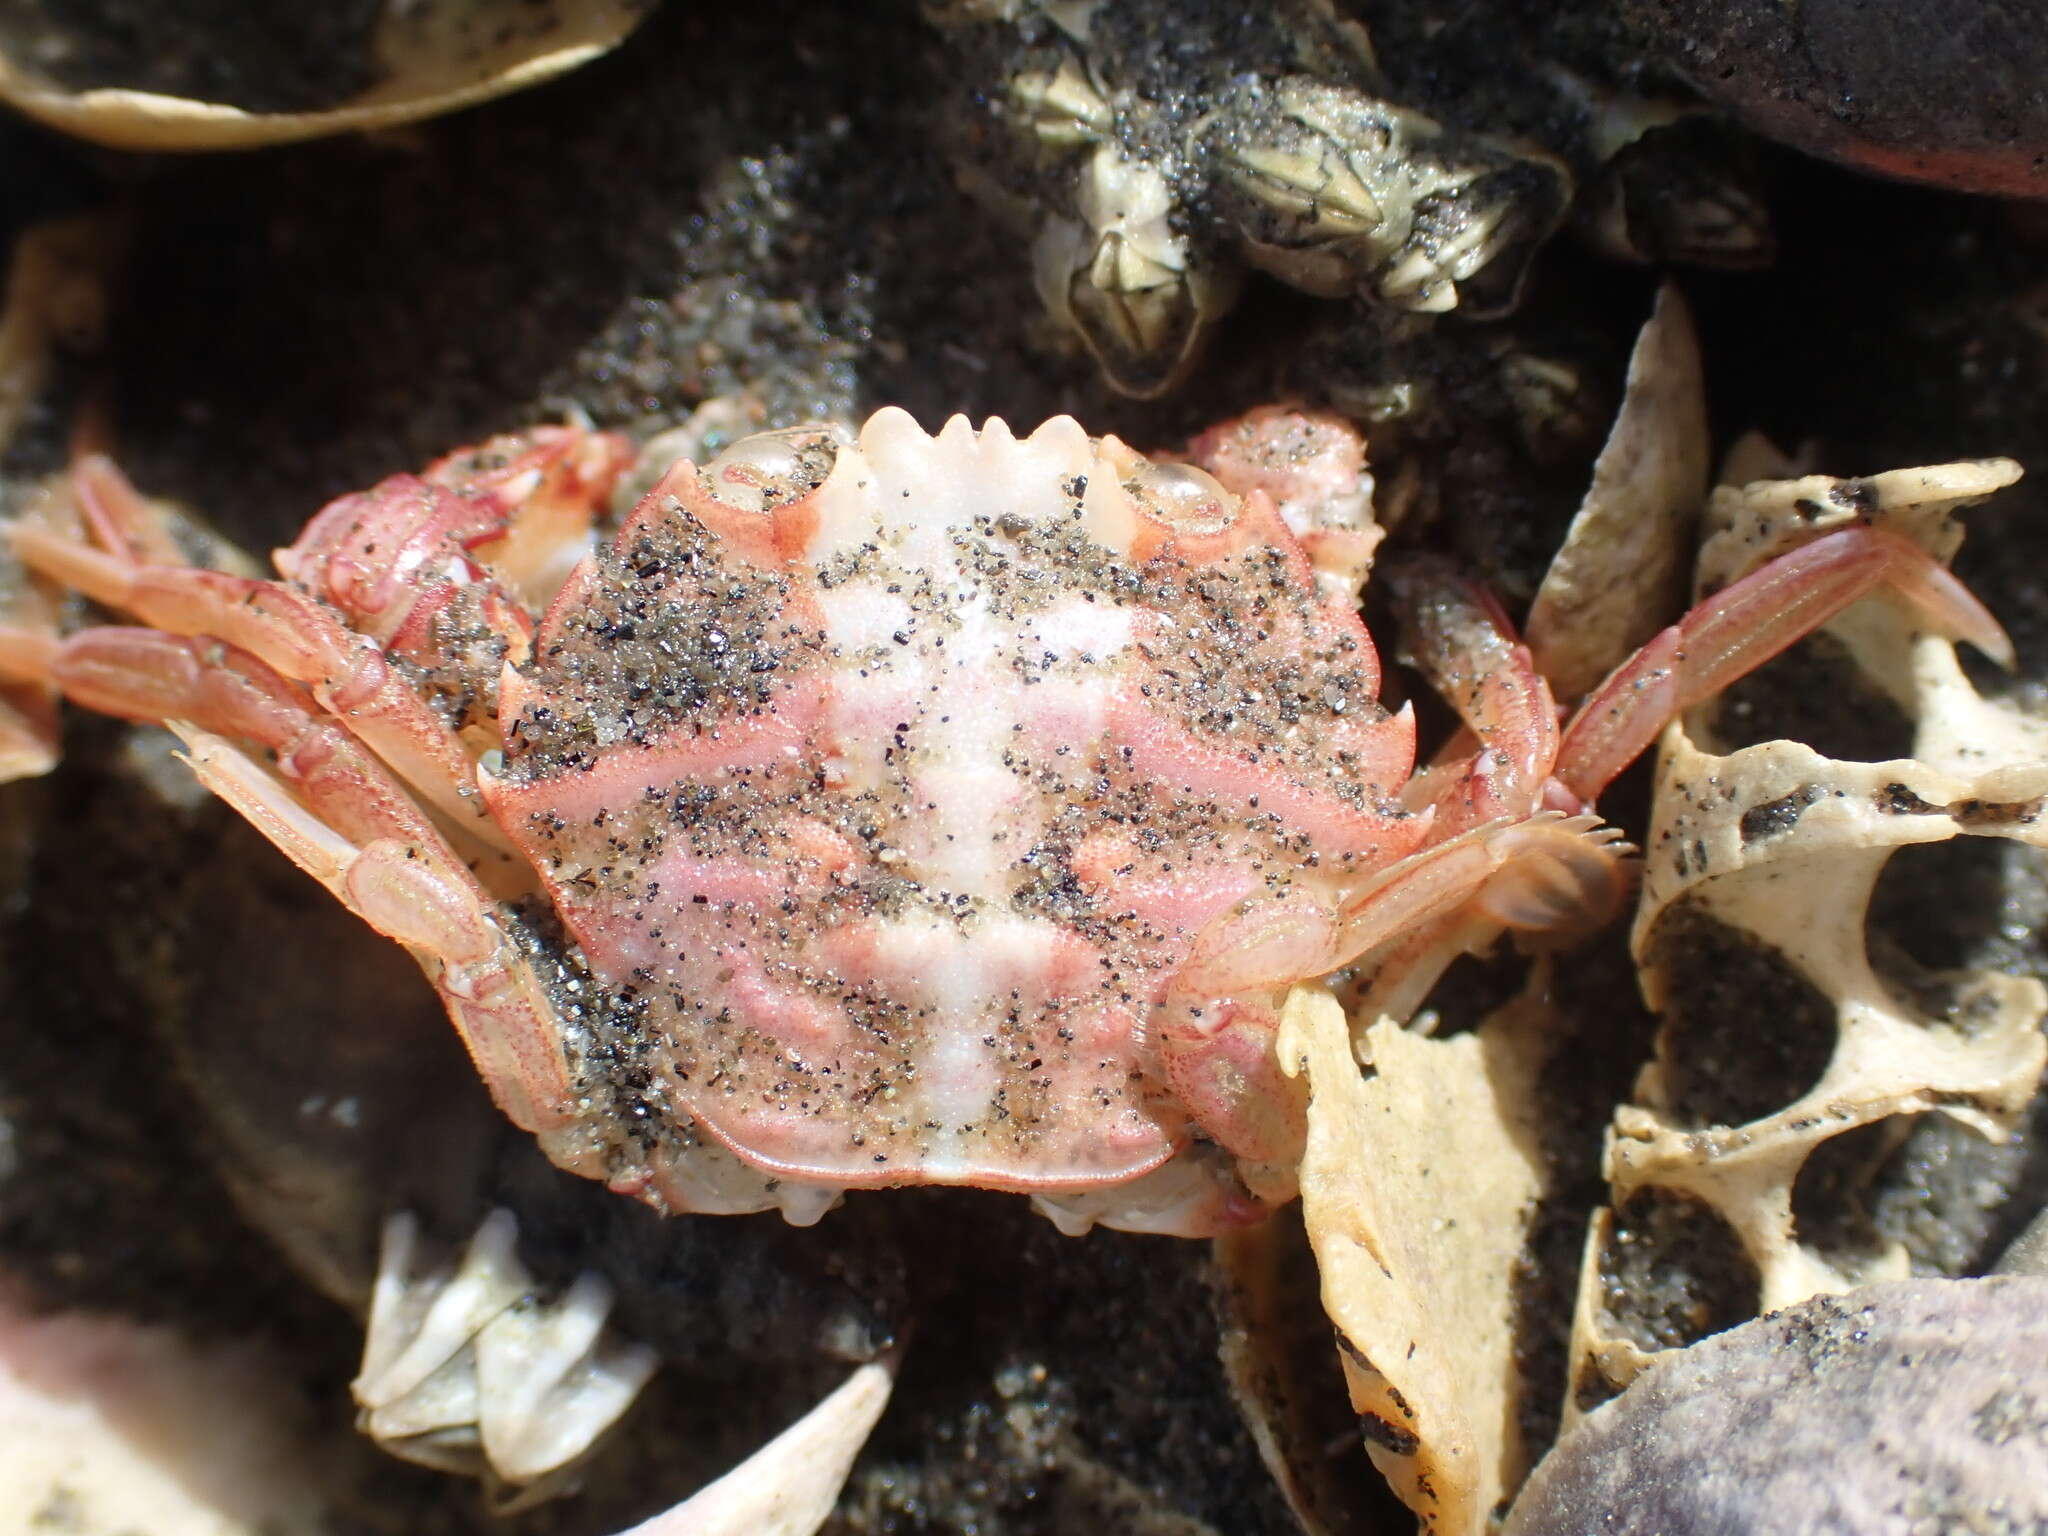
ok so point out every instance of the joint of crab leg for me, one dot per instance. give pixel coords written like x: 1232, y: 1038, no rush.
x: 397, y: 890
x: 108, y: 580
x: 1219, y: 1059
x: 1458, y: 637
x: 1549, y: 873
x: 26, y: 656
x: 144, y: 674
x: 1621, y: 718
x: 298, y: 637
x: 1421, y: 888
x: 427, y: 903
x: 121, y: 520
x: 1745, y: 625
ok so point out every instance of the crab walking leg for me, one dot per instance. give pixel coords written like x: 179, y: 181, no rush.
x: 1458, y: 637
x: 1551, y: 873
x: 120, y: 519
x: 335, y: 811
x: 1214, y: 1032
x: 1747, y: 623
x: 26, y: 655
x: 410, y: 886
x: 298, y: 637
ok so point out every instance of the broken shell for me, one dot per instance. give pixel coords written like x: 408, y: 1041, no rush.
x: 788, y: 1487
x: 1276, y: 1354
x: 1416, y: 1188
x: 109, y: 1425
x: 123, y: 82
x: 1924, y: 91
x: 1620, y: 576
x: 1925, y: 1401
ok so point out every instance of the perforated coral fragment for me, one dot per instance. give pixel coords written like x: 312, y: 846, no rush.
x: 1758, y: 880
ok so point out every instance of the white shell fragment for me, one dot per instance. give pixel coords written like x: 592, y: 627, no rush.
x: 788, y: 1487
x: 1620, y: 576
x: 1783, y: 848
x: 431, y: 57
x: 469, y: 1369
x: 109, y: 1428
x: 1416, y: 1189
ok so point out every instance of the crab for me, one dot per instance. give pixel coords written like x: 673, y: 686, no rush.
x: 881, y: 809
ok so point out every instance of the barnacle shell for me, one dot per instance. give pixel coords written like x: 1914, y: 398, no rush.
x: 1157, y: 153
x: 1926, y: 1402
x: 1334, y: 190
x: 470, y: 1368
x: 423, y: 60
x: 1773, y: 851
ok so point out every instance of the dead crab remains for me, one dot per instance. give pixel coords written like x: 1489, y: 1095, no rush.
x: 892, y: 809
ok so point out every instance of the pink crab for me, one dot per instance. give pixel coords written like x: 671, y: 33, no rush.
x: 898, y: 809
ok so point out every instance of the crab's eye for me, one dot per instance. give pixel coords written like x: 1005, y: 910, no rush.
x: 771, y: 469
x: 1182, y: 497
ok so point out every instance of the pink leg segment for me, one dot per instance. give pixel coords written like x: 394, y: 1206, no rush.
x: 1743, y: 626
x: 296, y: 636
x: 1460, y: 640
x: 337, y: 813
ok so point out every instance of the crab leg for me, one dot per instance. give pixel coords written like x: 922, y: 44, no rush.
x: 26, y: 656
x: 1747, y: 623
x: 553, y: 483
x: 1457, y: 636
x: 1551, y: 873
x: 298, y: 637
x: 1494, y: 869
x: 336, y: 812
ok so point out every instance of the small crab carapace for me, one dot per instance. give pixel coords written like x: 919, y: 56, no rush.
x: 898, y: 809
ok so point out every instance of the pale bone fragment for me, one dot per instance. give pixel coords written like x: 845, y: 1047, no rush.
x: 1781, y: 844
x: 433, y: 57
x: 1417, y: 1186
x: 788, y: 1487
x: 1620, y: 576
x: 471, y: 1370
